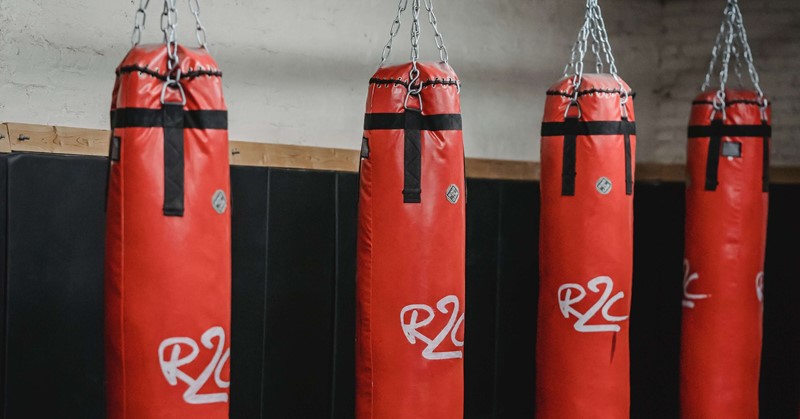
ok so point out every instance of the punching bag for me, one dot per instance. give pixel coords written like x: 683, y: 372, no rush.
x: 168, y: 261
x: 726, y: 229
x: 586, y: 244
x: 411, y: 246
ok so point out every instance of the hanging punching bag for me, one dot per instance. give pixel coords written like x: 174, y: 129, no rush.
x: 586, y: 241
x: 726, y: 228
x: 168, y: 262
x: 411, y: 244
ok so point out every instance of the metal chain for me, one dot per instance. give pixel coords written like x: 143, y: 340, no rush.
x: 719, y: 99
x: 437, y: 37
x: 733, y: 36
x: 594, y: 30
x: 139, y: 20
x: 714, y: 54
x: 595, y: 26
x: 748, y: 54
x: 414, y: 88
x: 387, y: 50
x: 200, y: 30
x: 169, y: 24
x: 604, y: 42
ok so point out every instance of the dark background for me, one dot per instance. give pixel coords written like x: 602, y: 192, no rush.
x: 294, y: 235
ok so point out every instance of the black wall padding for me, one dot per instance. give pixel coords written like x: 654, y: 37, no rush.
x: 502, y: 293
x: 3, y: 271
x: 780, y: 362
x: 293, y: 328
x: 294, y: 235
x: 54, y: 300
x: 483, y: 220
x: 249, y: 248
x: 656, y: 304
x: 517, y: 299
x: 344, y: 326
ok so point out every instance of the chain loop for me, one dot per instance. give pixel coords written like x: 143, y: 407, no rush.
x: 593, y: 26
x: 200, y: 30
x: 169, y: 24
x: 732, y: 40
x: 387, y: 50
x: 437, y: 37
x: 415, y: 30
x: 139, y: 20
x: 414, y: 87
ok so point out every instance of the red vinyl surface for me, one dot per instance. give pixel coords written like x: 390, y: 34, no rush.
x: 168, y: 278
x: 724, y: 269
x: 586, y: 257
x: 411, y: 261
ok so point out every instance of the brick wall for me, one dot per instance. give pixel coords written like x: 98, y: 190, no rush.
x: 688, y: 30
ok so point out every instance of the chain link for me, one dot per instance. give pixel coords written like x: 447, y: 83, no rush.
x: 169, y: 24
x: 415, y: 30
x: 594, y: 26
x: 139, y: 21
x: 200, y: 30
x: 437, y: 37
x: 414, y: 88
x: 387, y: 50
x: 732, y: 41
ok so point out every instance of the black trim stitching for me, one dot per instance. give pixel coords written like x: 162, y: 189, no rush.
x: 631, y: 94
x: 443, y: 82
x: 729, y: 102
x: 190, y: 74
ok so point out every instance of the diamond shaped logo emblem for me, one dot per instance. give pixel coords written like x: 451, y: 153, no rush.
x: 453, y: 194
x: 219, y: 201
x: 603, y: 185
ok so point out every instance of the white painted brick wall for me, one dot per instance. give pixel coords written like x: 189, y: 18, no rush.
x: 296, y: 72
x: 689, y: 28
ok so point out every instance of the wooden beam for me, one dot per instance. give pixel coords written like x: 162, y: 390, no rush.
x: 648, y: 172
x: 293, y: 156
x: 62, y: 140
x: 94, y: 142
x: 5, y: 144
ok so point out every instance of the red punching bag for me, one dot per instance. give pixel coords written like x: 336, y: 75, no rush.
x: 411, y: 245
x: 168, y: 262
x: 586, y: 241
x: 726, y: 229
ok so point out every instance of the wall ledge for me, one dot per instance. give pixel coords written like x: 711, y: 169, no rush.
x: 32, y: 138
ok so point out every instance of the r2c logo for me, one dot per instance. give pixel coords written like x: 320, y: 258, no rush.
x: 410, y: 323
x: 171, y: 358
x: 688, y: 277
x: 566, y: 299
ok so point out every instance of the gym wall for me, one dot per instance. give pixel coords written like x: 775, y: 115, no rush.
x: 293, y: 293
x: 296, y: 73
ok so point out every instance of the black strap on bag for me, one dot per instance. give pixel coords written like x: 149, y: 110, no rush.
x: 412, y: 122
x: 716, y: 132
x: 173, y: 119
x: 571, y: 128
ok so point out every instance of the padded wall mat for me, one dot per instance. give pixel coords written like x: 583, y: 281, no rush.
x: 294, y: 284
